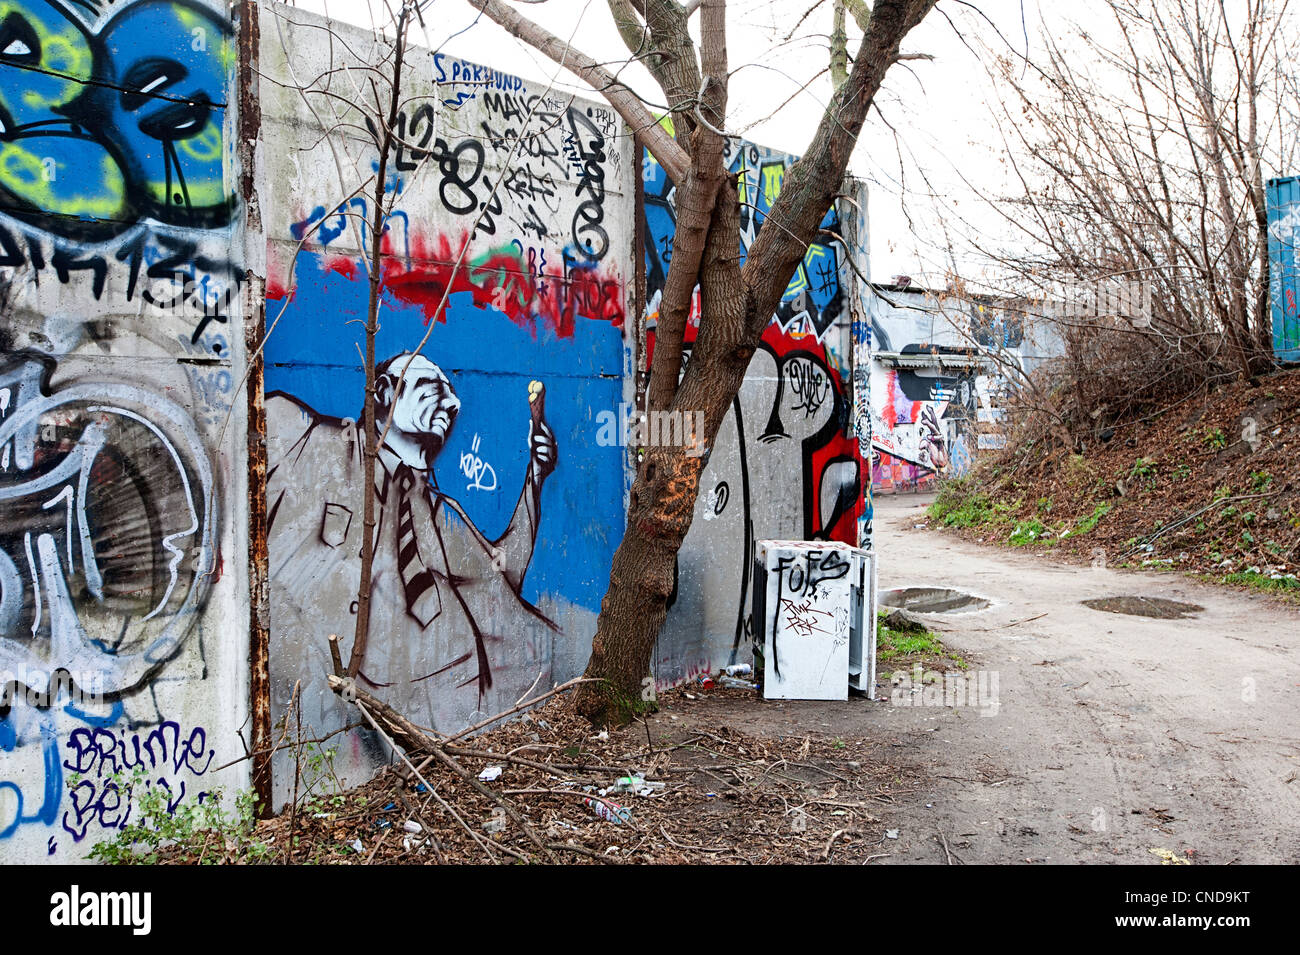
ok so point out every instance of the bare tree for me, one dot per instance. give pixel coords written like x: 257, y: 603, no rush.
x: 736, y: 301
x: 386, y: 137
x: 1139, y: 146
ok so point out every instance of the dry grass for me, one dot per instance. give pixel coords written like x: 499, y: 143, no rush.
x: 1210, y: 486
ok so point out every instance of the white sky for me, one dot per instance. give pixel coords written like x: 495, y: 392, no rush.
x: 938, y: 107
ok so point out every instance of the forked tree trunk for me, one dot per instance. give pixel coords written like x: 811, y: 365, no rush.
x: 662, y: 500
x: 736, y: 306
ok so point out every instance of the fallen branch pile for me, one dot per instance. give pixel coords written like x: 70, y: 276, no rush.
x: 547, y: 788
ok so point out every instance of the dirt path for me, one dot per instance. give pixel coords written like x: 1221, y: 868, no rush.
x: 1115, y: 734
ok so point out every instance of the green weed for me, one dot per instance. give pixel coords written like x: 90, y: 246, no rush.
x: 1027, y: 532
x: 202, y: 832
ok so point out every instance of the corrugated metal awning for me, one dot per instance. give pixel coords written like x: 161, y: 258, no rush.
x: 893, y: 359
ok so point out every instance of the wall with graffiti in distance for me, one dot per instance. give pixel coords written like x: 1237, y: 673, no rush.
x: 1283, y: 205
x: 942, y: 370
x: 499, y: 508
x: 120, y: 341
x: 787, y: 463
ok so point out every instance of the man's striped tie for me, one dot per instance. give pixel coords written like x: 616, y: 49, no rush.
x: 423, y: 602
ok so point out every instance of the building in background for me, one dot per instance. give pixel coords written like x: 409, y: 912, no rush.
x: 942, y: 368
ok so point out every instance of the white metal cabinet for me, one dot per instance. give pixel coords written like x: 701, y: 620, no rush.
x: 814, y: 613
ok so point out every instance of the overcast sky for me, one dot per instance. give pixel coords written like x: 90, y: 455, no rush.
x: 941, y: 128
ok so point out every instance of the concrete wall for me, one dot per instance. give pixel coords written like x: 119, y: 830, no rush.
x: 123, y: 540
x: 933, y: 408
x: 508, y: 264
x: 538, y: 275
x: 788, y: 463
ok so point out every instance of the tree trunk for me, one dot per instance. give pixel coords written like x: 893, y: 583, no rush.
x: 369, y: 431
x: 662, y: 500
x: 736, y: 306
x: 736, y: 303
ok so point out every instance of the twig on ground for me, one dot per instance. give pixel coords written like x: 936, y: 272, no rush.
x: 516, y: 708
x: 826, y: 853
x: 944, y: 843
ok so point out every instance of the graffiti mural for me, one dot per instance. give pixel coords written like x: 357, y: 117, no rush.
x: 102, y: 125
x: 940, y: 382
x: 1283, y: 207
x: 438, y: 583
x: 118, y: 309
x: 813, y: 299
x: 508, y: 245
x: 787, y: 462
x: 920, y: 428
x: 112, y: 164
x: 107, y: 493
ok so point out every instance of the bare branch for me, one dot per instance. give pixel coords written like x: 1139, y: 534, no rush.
x: 625, y: 102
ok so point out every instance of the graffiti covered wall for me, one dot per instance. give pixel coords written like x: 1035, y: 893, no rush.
x: 941, y: 371
x: 508, y: 246
x: 506, y: 368
x: 122, y: 468
x: 1283, y: 200
x: 788, y: 461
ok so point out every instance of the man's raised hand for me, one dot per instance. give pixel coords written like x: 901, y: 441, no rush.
x: 541, y: 439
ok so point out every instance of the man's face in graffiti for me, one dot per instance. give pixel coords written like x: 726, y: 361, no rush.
x: 423, y: 407
x: 170, y: 62
x: 49, y: 162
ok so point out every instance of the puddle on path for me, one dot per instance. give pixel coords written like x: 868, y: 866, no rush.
x: 931, y: 600
x: 1158, y: 607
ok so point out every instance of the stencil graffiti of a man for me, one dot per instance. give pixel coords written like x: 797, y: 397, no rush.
x: 445, y: 600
